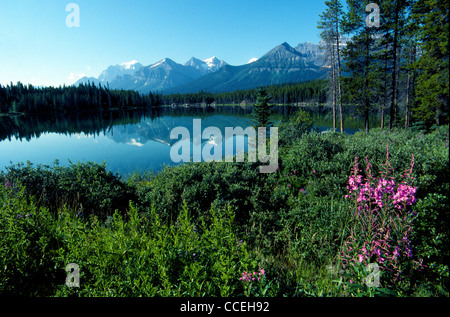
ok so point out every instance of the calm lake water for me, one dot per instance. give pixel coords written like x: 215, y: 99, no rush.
x: 126, y: 141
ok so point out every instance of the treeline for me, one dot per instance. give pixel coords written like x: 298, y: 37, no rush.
x: 89, y: 122
x: 20, y: 98
x: 301, y: 92
x: 396, y: 62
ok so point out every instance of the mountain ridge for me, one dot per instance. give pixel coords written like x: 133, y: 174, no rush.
x: 282, y: 64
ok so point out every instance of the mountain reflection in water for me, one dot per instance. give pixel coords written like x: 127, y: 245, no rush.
x: 127, y: 141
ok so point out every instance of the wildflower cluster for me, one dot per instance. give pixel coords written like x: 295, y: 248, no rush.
x: 382, y: 223
x: 255, y: 276
x: 375, y: 193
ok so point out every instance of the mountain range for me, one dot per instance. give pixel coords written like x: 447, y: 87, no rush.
x: 282, y: 64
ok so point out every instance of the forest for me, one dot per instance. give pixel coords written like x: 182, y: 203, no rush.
x: 399, y: 67
x: 311, y: 92
x: 26, y: 99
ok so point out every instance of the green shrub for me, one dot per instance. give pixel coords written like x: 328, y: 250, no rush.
x: 293, y: 127
x: 29, y: 246
x: 86, y: 187
x: 144, y: 256
x: 201, y: 185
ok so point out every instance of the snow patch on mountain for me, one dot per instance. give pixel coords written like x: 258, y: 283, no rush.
x: 128, y: 65
x: 158, y: 63
x: 211, y: 62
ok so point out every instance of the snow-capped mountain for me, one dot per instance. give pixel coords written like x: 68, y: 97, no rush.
x: 162, y: 75
x: 159, y: 76
x: 113, y: 73
x: 214, y: 63
x: 282, y: 64
x: 127, y: 68
x: 205, y: 66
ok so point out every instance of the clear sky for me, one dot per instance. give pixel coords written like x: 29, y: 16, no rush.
x: 37, y: 46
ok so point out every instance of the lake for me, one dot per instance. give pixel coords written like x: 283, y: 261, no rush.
x: 127, y: 141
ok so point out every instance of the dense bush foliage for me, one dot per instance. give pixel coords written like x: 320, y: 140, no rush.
x: 202, y: 229
x: 87, y: 188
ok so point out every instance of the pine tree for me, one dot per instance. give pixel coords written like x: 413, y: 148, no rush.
x: 393, y: 39
x: 409, y: 55
x: 262, y: 109
x: 432, y: 90
x: 362, y: 86
x: 330, y: 25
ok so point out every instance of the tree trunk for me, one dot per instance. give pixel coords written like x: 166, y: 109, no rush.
x: 333, y: 82
x: 366, y: 87
x: 366, y: 115
x: 392, y: 110
x: 339, y: 96
x: 407, y: 100
x: 385, y: 98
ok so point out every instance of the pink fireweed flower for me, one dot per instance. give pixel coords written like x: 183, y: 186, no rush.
x: 245, y: 277
x: 377, y: 252
x: 379, y: 230
x: 404, y: 195
x: 364, y: 250
x: 360, y: 258
x: 255, y: 276
x: 396, y: 253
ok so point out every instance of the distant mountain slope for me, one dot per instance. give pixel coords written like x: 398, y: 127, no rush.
x: 206, y: 66
x: 282, y: 64
x: 128, y: 68
x: 312, y: 52
x: 159, y: 76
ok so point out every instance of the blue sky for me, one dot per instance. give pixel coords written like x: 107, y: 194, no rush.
x: 37, y: 47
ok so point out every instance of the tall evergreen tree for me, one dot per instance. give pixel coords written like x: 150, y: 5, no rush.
x: 329, y: 23
x: 410, y: 54
x: 392, y: 40
x: 362, y: 86
x: 262, y: 109
x: 431, y: 18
